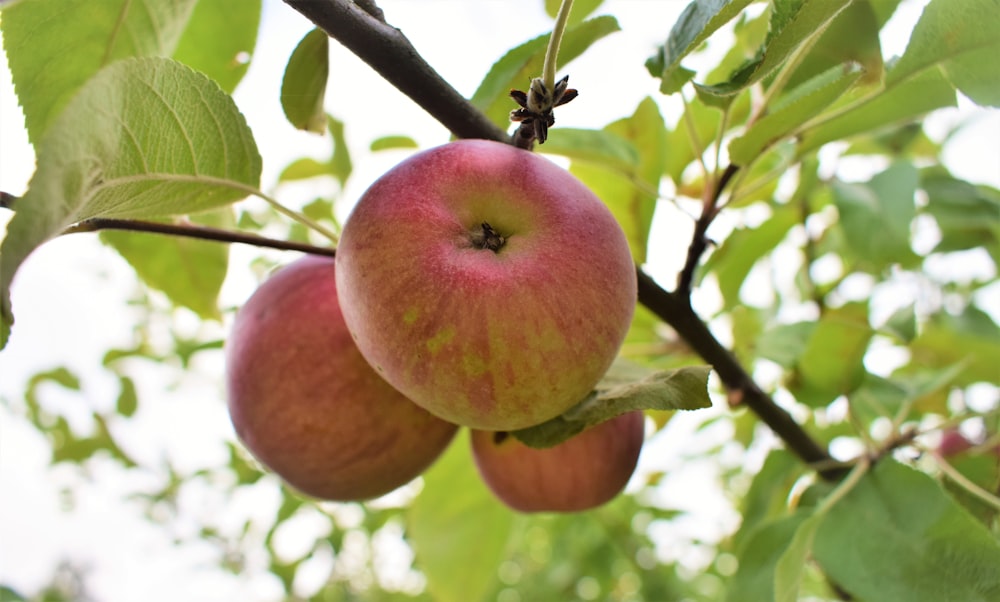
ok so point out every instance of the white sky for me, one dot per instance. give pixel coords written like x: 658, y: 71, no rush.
x: 69, y: 295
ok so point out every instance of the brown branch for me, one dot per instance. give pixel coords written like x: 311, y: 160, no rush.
x: 391, y: 55
x: 699, y: 239
x: 196, y: 231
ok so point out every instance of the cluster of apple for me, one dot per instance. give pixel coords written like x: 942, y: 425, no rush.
x: 475, y: 284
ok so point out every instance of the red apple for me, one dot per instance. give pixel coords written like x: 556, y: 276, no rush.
x: 578, y: 474
x: 486, y: 283
x: 307, y: 405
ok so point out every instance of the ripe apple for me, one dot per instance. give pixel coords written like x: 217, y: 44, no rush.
x: 578, y: 474
x: 307, y: 405
x: 486, y: 283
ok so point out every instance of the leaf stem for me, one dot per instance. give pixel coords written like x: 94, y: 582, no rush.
x: 552, y: 51
x: 962, y: 481
x: 301, y: 218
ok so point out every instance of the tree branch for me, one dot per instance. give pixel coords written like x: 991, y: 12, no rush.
x: 699, y: 239
x: 392, y: 56
x: 388, y: 51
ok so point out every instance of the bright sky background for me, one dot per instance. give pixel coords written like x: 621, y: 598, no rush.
x: 69, y: 296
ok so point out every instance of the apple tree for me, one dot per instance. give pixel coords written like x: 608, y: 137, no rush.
x: 801, y: 241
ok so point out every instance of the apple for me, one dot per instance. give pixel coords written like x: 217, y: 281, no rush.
x: 578, y: 474
x: 305, y: 402
x: 486, y: 283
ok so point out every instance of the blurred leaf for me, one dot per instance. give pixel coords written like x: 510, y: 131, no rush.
x: 866, y: 111
x: 459, y: 531
x: 61, y: 376
x: 784, y: 343
x: 101, y: 159
x: 516, y: 68
x: 581, y: 9
x: 794, y: 109
x: 224, y: 58
x: 981, y: 469
x: 38, y: 34
x: 832, y: 362
x: 622, y: 164
x: 903, y: 323
x: 699, y: 20
x: 392, y: 142
x: 303, y: 169
x: 971, y: 338
x: 875, y: 216
x: 303, y: 87
x: 189, y: 271
x: 790, y: 565
x: 340, y: 162
x: 128, y: 399
x: 701, y: 122
x: 959, y: 38
x: 764, y: 501
x: 898, y: 536
x: 968, y: 215
x: 758, y: 558
x: 620, y: 392
x: 733, y: 260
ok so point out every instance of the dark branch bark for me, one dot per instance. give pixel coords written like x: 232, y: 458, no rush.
x: 392, y: 56
x: 196, y: 231
x: 699, y: 240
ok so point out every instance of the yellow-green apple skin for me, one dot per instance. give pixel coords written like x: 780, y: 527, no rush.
x: 578, y: 474
x: 486, y: 283
x: 308, y: 406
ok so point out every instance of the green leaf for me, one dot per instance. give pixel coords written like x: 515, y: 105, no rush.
x: 851, y: 37
x: 868, y: 111
x: 875, y: 216
x: 458, y: 529
x: 898, y: 536
x: 303, y: 88
x: 903, y: 323
x: 622, y: 164
x: 793, y: 22
x: 303, y: 169
x: 766, y: 499
x: 144, y: 138
x: 393, y: 142
x: 189, y: 271
x: 340, y: 162
x: 581, y: 9
x: 784, y: 343
x: 791, y: 564
x: 733, y: 260
x: 224, y: 58
x: 959, y: 38
x: 54, y: 46
x: 758, y: 558
x: 622, y: 391
x: 699, y: 20
x: 794, y: 109
x: 516, y: 68
x: 832, y: 362
x: 686, y: 143
x: 968, y: 215
x: 128, y: 399
x: 971, y: 338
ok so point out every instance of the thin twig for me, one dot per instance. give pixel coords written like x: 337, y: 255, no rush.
x: 699, y: 239
x: 196, y: 231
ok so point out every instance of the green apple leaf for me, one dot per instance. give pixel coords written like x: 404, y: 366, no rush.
x: 699, y: 20
x: 581, y: 9
x: 224, y: 58
x: 144, y: 138
x: 831, y: 363
x: 971, y: 339
x: 189, y: 271
x: 626, y: 387
x: 959, y: 38
x: 967, y: 215
x: 875, y: 216
x: 54, y: 46
x: 767, y: 497
x: 793, y: 110
x: 458, y: 529
x: 303, y: 88
x: 759, y: 555
x: 919, y: 545
x: 593, y: 146
x: 516, y: 68
x: 790, y: 565
x: 393, y: 142
x: 128, y: 399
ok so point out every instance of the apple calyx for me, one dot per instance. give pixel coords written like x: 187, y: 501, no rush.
x: 486, y: 237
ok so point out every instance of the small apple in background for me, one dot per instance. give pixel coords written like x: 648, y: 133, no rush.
x: 578, y: 474
x: 486, y: 283
x: 307, y: 405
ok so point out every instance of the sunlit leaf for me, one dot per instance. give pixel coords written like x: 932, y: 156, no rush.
x: 851, y: 37
x: 898, y: 536
x: 581, y: 9
x: 959, y: 37
x: 303, y: 87
x: 758, y: 557
x: 128, y: 399
x: 621, y: 392
x: 970, y: 338
x: 393, y: 142
x: 459, y: 531
x: 832, y: 362
x: 145, y: 138
x: 37, y: 34
x: 790, y: 565
x: 968, y: 215
x: 224, y: 58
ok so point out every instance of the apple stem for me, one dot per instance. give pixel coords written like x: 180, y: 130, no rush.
x: 552, y: 51
x: 486, y: 237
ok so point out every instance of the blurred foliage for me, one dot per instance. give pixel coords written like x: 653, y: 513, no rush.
x: 828, y: 294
